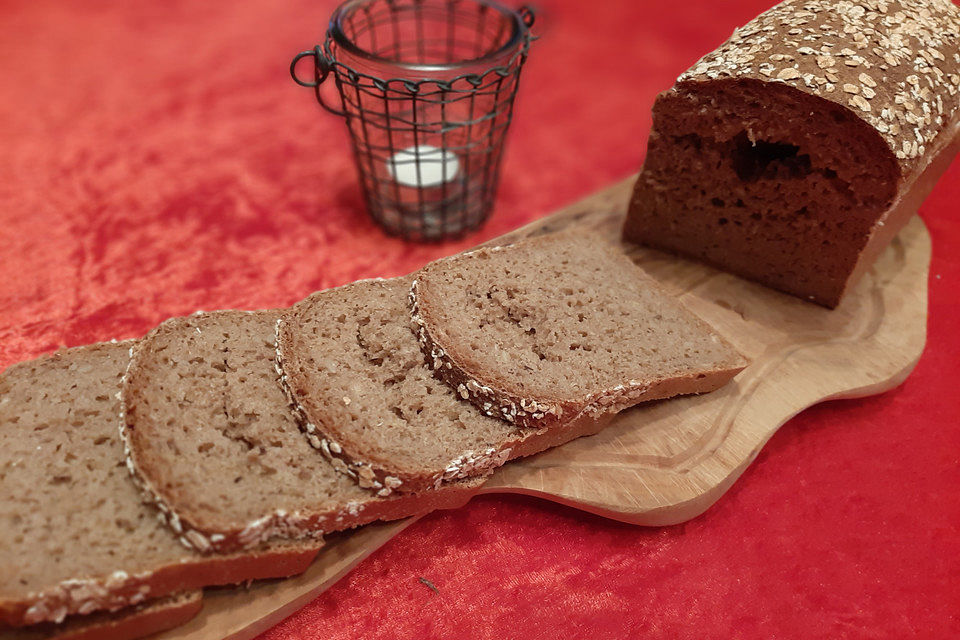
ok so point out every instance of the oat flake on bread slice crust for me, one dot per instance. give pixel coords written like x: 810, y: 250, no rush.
x: 212, y: 441
x: 77, y: 538
x: 125, y: 624
x: 560, y: 325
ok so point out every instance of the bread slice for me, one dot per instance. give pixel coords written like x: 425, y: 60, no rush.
x: 126, y: 624
x: 559, y: 325
x: 74, y: 534
x: 368, y: 400
x: 212, y: 439
x: 352, y: 366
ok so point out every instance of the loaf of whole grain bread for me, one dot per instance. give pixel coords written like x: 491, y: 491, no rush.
x: 794, y: 153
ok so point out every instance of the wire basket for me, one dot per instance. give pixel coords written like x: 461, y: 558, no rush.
x: 427, y: 89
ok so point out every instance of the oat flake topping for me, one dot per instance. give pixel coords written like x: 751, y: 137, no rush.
x: 895, y: 64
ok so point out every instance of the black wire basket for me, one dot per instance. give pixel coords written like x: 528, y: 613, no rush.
x: 427, y: 89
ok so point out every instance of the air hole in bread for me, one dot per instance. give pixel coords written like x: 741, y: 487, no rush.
x: 753, y: 159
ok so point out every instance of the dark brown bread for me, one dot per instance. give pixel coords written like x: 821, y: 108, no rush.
x: 74, y: 535
x: 559, y: 326
x: 369, y: 401
x: 213, y: 441
x: 794, y: 153
x: 126, y: 624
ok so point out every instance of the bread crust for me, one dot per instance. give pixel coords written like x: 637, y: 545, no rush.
x: 125, y: 624
x: 883, y: 61
x: 906, y: 203
x: 120, y: 589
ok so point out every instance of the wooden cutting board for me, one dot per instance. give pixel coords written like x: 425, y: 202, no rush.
x: 668, y: 461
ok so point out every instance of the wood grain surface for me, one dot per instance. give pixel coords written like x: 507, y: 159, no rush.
x: 668, y: 461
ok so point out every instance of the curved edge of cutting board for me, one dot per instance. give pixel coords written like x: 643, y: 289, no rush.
x: 635, y: 471
x: 689, y: 504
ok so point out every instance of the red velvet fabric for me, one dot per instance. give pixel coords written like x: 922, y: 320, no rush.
x: 156, y: 159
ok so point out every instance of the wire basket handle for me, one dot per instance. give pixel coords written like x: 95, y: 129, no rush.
x: 321, y: 69
x: 527, y: 16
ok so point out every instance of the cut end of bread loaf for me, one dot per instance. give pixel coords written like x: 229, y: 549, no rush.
x: 548, y: 329
x: 732, y: 180
x: 367, y: 399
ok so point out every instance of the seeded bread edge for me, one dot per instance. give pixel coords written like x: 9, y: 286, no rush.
x: 362, y: 472
x: 124, y: 624
x: 120, y: 589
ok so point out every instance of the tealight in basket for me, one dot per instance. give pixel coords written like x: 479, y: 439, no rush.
x: 427, y: 90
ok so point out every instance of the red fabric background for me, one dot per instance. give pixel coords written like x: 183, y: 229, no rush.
x: 156, y: 159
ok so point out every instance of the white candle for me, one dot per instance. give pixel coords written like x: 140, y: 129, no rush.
x: 436, y: 166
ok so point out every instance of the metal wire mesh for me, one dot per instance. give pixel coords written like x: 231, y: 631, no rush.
x: 427, y: 88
